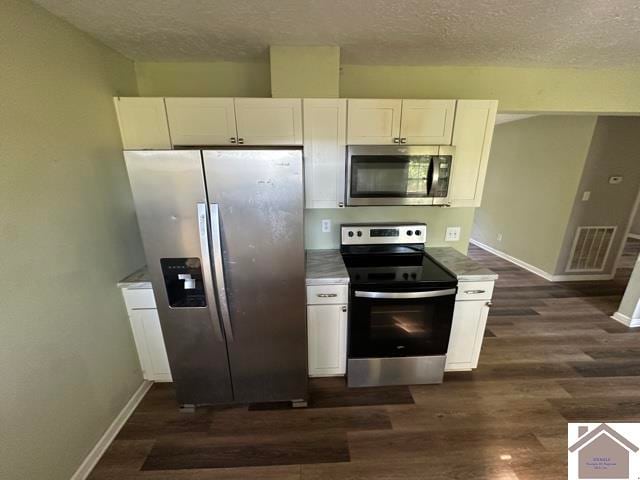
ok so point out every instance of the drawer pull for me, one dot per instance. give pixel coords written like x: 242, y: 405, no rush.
x: 327, y: 295
x: 474, y: 291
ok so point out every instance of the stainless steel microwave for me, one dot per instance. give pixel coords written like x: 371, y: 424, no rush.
x: 398, y: 175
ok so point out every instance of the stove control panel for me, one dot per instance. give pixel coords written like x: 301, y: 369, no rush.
x: 386, y: 233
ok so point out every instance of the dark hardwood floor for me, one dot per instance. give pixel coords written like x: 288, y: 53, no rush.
x: 551, y: 355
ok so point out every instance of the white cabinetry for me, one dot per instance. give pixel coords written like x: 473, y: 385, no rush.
x: 373, y: 121
x: 327, y: 330
x: 143, y: 123
x: 147, y: 334
x: 427, y: 122
x: 469, y: 321
x: 324, y: 151
x: 269, y: 121
x: 201, y: 121
x: 472, y: 134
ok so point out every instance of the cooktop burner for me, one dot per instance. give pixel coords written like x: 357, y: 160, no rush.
x: 387, y: 255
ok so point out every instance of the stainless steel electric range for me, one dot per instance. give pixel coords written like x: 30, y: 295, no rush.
x: 400, y: 307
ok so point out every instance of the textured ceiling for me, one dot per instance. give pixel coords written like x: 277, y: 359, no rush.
x: 580, y: 33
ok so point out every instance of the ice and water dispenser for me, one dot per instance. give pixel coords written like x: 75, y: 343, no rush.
x: 183, y: 281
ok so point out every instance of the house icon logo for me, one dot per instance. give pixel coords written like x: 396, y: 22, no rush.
x: 601, y: 452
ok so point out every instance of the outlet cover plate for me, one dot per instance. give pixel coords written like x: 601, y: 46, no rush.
x: 452, y: 235
x: 326, y: 226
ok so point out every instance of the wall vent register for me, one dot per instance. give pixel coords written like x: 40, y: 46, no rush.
x: 591, y: 247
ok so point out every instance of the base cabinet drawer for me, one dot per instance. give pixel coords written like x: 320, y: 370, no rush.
x: 475, y: 290
x: 327, y: 294
x: 327, y: 339
x: 467, y: 334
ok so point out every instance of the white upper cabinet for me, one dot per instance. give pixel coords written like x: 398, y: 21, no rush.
x: 373, y: 122
x: 427, y: 122
x: 143, y: 123
x: 472, y: 134
x: 269, y: 121
x: 201, y: 121
x: 325, y: 125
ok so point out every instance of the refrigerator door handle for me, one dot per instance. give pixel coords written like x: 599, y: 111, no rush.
x: 218, y: 267
x: 206, y: 270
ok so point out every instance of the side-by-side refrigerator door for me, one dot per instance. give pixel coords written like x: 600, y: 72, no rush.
x: 169, y: 194
x: 256, y: 204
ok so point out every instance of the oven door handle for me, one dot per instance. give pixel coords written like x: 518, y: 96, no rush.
x: 434, y: 293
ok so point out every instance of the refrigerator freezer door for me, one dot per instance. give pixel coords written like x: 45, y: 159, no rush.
x: 169, y: 194
x: 259, y: 197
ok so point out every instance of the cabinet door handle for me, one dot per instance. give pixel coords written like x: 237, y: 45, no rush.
x: 327, y: 295
x: 474, y: 291
x: 403, y: 140
x: 396, y: 140
x: 489, y: 304
x: 232, y: 139
x: 241, y: 141
x: 344, y: 309
x: 341, y: 204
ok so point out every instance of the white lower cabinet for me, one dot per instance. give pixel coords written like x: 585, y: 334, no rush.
x: 467, y: 331
x: 147, y: 334
x: 327, y: 331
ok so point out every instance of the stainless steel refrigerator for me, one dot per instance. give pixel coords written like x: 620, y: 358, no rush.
x: 223, y: 237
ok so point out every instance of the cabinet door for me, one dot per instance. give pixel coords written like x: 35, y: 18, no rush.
x: 467, y: 334
x: 427, y: 122
x: 201, y: 121
x: 269, y: 121
x: 143, y: 123
x: 472, y: 134
x: 150, y: 345
x: 325, y: 129
x: 373, y: 122
x: 327, y: 335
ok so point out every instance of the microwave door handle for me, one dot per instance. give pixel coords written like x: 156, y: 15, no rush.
x: 206, y: 270
x: 218, y: 267
x: 400, y: 295
x: 435, y: 178
x: 430, y: 177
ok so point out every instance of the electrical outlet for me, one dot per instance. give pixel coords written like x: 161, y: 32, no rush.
x: 499, y: 237
x: 586, y: 195
x: 326, y: 226
x: 452, y: 235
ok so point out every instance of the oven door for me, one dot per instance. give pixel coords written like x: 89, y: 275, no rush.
x: 383, y: 175
x: 386, y: 324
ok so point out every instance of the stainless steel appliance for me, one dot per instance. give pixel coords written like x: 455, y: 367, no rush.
x: 400, y: 306
x: 223, y: 236
x: 398, y: 175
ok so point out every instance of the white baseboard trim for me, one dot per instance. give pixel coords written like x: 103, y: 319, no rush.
x: 626, y: 321
x: 98, y: 450
x: 634, y: 235
x: 514, y: 260
x: 541, y: 273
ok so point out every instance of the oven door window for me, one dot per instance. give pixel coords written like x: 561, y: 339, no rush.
x: 381, y: 328
x: 390, y: 176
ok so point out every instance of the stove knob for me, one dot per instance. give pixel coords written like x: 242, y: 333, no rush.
x: 409, y: 232
x: 405, y: 276
x: 350, y: 234
x: 413, y: 275
x: 418, y: 232
x: 359, y: 233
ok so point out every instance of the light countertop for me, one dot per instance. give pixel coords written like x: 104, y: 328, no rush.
x: 463, y: 267
x: 137, y: 279
x: 325, y: 267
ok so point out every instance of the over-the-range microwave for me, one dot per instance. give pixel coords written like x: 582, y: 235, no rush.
x: 398, y: 175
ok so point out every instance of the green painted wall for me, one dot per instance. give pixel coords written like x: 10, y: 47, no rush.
x: 213, y: 79
x: 534, y: 170
x: 305, y: 72
x: 436, y: 218
x: 68, y: 233
x: 517, y: 89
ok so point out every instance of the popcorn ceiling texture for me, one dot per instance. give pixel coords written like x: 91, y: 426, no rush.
x: 578, y: 33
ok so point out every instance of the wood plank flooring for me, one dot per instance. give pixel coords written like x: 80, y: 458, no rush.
x: 551, y: 355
